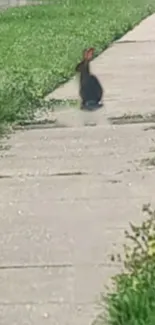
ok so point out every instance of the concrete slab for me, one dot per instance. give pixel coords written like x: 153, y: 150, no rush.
x: 45, y: 314
x: 66, y: 285
x: 76, y: 150
x: 144, y: 32
x: 129, y: 185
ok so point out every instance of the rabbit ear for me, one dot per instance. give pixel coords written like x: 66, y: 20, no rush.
x: 88, y: 54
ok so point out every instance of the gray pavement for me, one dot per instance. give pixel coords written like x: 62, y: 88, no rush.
x: 67, y: 194
x: 12, y: 3
x: 16, y: 3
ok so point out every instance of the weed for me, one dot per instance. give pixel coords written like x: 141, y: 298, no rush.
x: 133, y: 302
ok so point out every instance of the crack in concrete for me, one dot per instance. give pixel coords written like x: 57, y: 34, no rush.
x: 57, y: 266
x: 51, y: 302
x: 134, y: 41
x: 5, y: 176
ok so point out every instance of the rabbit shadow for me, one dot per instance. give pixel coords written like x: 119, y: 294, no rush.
x: 91, y: 106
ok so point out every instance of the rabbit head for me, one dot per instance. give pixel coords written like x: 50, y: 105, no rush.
x: 83, y: 66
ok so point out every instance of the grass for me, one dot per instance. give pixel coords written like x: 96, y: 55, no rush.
x: 40, y: 46
x: 132, y: 300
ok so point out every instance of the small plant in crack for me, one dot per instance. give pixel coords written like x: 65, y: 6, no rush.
x: 148, y: 162
x: 131, y: 300
x: 132, y: 119
x: 53, y: 104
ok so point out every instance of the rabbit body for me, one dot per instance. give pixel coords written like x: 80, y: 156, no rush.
x: 91, y: 91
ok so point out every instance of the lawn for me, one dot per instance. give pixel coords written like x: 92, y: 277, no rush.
x: 40, y: 45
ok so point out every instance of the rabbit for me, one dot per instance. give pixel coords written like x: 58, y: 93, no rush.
x: 91, y: 90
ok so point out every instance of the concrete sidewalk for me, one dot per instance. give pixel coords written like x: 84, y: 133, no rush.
x: 67, y: 194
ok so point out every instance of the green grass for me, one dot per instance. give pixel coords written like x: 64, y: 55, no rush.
x: 40, y: 45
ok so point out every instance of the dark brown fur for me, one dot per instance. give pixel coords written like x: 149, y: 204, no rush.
x: 90, y: 88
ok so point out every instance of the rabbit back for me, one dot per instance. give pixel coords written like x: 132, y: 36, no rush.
x: 91, y: 89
